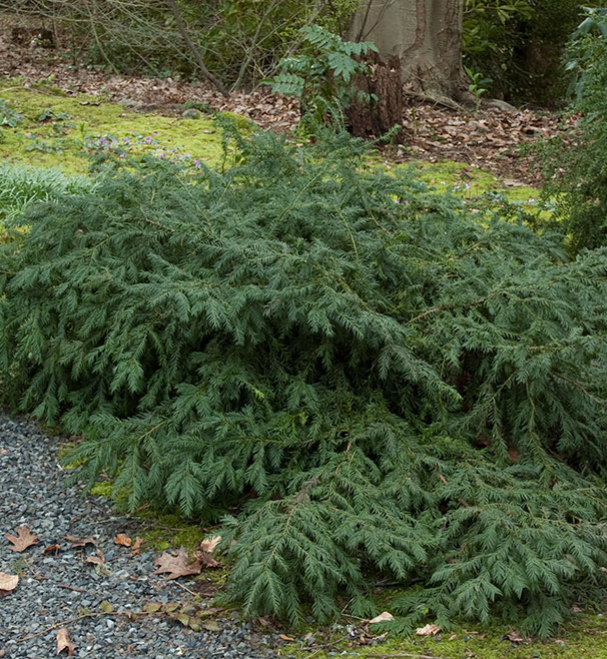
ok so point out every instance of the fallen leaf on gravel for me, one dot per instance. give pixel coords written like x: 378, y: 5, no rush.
x: 428, y: 630
x: 177, y: 565
x: 64, y: 642
x: 152, y: 607
x: 122, y: 539
x: 212, y: 626
x: 51, y: 548
x: 23, y: 539
x: 96, y: 560
x: 382, y: 617
x: 80, y: 542
x: 106, y: 607
x: 8, y: 583
x: 210, y: 544
x: 137, y: 546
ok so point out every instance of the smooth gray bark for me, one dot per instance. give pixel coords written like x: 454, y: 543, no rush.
x: 426, y: 35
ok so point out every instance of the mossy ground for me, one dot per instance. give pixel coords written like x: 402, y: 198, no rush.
x: 586, y: 638
x: 58, y: 139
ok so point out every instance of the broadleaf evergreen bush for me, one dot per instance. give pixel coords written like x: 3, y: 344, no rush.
x: 360, y: 376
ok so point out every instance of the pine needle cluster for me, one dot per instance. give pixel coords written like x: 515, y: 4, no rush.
x: 355, y: 373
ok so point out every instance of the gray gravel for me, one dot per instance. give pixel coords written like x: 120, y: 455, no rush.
x: 53, y: 587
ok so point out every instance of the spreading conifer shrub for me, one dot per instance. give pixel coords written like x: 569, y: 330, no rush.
x: 361, y: 377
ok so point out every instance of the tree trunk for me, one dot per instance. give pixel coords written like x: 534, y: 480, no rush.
x: 426, y: 35
x: 375, y: 118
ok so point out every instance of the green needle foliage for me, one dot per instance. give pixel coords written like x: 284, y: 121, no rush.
x: 360, y: 376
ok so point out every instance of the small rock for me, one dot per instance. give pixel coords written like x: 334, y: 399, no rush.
x: 191, y: 113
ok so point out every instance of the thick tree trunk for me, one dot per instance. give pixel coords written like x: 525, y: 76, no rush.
x: 426, y: 36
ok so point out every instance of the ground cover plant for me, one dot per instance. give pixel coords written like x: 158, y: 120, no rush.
x: 353, y: 373
x: 21, y: 185
x: 63, y: 131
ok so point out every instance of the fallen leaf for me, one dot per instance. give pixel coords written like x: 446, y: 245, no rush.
x: 122, y: 539
x: 210, y: 544
x: 382, y: 617
x: 177, y: 565
x: 206, y: 559
x: 80, y: 542
x: 106, y: 607
x: 212, y: 626
x: 285, y: 637
x: 152, y: 607
x: 452, y: 637
x: 428, y: 630
x: 51, y: 548
x: 515, y: 637
x: 8, y: 583
x: 137, y: 546
x: 96, y: 560
x: 64, y: 642
x: 23, y: 539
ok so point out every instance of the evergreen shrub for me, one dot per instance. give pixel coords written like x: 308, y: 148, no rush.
x: 360, y: 377
x: 575, y: 164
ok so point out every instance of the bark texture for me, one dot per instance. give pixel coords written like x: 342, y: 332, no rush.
x: 371, y: 120
x: 425, y: 35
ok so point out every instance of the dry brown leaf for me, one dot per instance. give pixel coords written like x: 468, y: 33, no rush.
x: 209, y: 545
x: 284, y: 637
x: 206, y: 559
x: 137, y: 546
x: 428, y: 630
x: 122, y: 539
x: 382, y: 617
x: 64, y: 642
x: 96, y: 560
x: 177, y: 565
x: 80, y: 542
x: 51, y: 548
x: 8, y: 583
x: 23, y: 539
x: 515, y: 637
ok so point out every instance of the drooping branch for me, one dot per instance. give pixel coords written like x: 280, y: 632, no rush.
x: 181, y: 26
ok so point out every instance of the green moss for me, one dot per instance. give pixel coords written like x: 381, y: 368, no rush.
x: 102, y: 489
x: 468, y: 181
x: 59, y: 143
x: 162, y: 531
x: 584, y: 639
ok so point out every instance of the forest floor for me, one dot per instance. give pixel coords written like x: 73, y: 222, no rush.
x: 490, y: 138
x: 474, y: 143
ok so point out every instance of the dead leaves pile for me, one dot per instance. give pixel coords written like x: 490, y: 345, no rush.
x: 490, y: 138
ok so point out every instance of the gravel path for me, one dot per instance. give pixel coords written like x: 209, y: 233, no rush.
x: 55, y: 588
